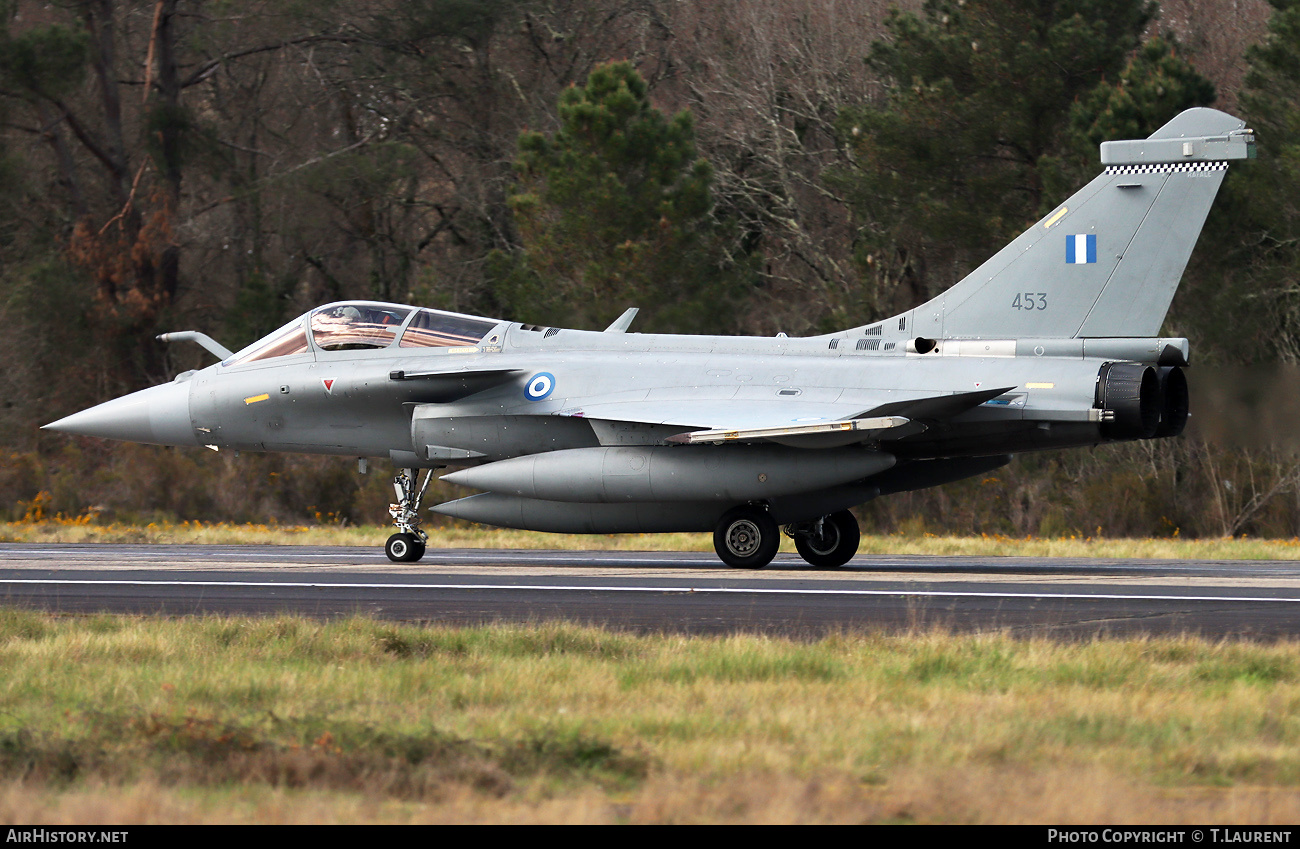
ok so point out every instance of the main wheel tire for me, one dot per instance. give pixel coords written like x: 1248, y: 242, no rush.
x: 746, y: 538
x: 837, y: 544
x: 404, y: 548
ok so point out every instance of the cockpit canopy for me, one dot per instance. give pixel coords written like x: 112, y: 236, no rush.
x: 356, y: 326
x: 362, y: 325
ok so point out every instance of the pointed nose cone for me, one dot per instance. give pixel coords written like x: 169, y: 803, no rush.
x: 159, y: 415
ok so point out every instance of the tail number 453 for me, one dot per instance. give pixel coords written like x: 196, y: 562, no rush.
x: 1030, y: 301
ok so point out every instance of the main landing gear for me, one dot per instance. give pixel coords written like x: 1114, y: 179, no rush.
x: 828, y: 542
x: 407, y: 545
x: 747, y: 537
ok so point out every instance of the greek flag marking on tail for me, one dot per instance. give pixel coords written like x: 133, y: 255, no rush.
x: 1080, y: 249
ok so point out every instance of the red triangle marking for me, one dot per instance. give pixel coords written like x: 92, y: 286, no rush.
x: 329, y: 384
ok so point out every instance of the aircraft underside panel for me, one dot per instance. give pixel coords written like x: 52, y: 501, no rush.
x: 488, y: 438
x: 561, y: 517
x: 531, y: 514
x: 732, y: 473
x: 536, y: 514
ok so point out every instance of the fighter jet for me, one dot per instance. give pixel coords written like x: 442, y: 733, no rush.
x: 1051, y: 343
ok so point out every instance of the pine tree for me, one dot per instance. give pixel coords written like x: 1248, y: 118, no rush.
x: 1258, y: 241
x: 983, y: 99
x: 614, y: 210
x: 1156, y: 84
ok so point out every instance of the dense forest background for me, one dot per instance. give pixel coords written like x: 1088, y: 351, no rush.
x: 745, y: 167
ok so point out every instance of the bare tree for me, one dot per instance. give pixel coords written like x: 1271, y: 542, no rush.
x: 767, y: 80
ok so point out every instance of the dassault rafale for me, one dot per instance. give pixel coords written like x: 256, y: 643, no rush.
x: 1051, y: 343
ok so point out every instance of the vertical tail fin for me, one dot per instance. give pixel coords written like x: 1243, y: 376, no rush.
x: 1107, y: 261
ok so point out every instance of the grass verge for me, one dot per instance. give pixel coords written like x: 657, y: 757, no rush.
x: 125, y: 719
x: 473, y: 536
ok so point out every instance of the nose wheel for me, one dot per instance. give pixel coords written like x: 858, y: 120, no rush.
x: 408, y: 544
x: 828, y: 542
x: 404, y: 548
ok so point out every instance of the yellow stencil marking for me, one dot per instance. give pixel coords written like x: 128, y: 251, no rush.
x: 1056, y: 216
x: 1040, y: 385
x: 255, y: 398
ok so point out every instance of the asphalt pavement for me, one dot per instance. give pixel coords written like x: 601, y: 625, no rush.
x: 656, y: 591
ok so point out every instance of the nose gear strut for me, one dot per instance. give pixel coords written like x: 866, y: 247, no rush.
x: 408, y: 544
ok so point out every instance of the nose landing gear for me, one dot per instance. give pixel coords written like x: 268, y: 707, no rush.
x: 408, y: 544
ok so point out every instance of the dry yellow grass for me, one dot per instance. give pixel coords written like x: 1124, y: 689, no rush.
x: 222, y: 533
x: 119, y: 719
x: 470, y: 536
x: 1046, y: 795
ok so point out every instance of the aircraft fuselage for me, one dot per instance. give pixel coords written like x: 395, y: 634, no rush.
x: 351, y: 402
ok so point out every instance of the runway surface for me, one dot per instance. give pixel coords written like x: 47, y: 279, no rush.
x: 690, y: 592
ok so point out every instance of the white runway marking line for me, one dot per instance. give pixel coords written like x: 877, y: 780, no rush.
x: 216, y: 559
x: 608, y: 589
x: 219, y: 557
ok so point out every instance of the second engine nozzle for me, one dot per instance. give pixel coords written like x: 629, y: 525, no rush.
x: 1131, y: 391
x: 1175, y: 401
